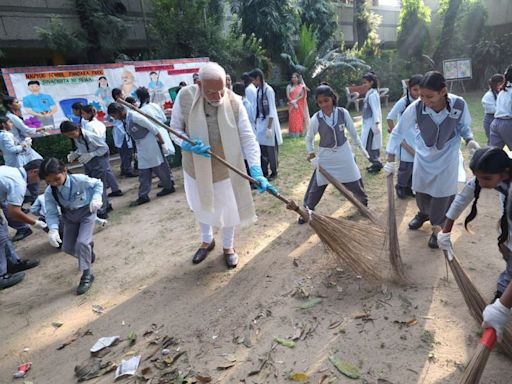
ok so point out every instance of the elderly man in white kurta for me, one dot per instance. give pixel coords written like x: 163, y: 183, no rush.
x: 215, y: 118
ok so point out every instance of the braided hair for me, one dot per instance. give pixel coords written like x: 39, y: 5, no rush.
x: 435, y: 81
x: 491, y: 160
x: 413, y: 81
x: 494, y: 81
x: 508, y: 79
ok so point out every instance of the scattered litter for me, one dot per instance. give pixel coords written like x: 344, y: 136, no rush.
x: 223, y: 367
x: 132, y: 338
x: 166, y: 351
x: 203, y: 379
x: 128, y: 367
x: 56, y: 324
x: 123, y: 323
x: 103, y: 342
x: 96, y: 308
x: 311, y: 303
x: 298, y: 376
x: 22, y: 370
x: 26, y: 349
x: 335, y: 324
x: 214, y: 337
x: 284, y: 342
x: 92, y: 368
x: 345, y: 368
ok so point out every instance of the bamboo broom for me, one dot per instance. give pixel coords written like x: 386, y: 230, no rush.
x: 394, y: 246
x: 474, y: 300
x: 346, y: 239
x: 476, y: 365
x: 364, y: 210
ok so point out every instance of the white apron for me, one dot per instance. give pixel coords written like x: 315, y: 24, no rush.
x: 339, y: 163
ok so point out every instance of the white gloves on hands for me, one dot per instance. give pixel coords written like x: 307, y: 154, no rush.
x: 389, y: 168
x: 72, y: 156
x: 85, y: 158
x: 165, y: 150
x: 445, y: 243
x: 268, y: 133
x: 376, y: 129
x: 364, y: 152
x: 496, y: 316
x: 95, y: 205
x: 472, y: 147
x: 27, y: 143
x: 54, y: 238
x: 40, y: 224
x: 314, y: 162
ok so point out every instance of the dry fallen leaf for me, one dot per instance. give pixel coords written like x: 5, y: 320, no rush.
x: 225, y: 366
x: 203, y: 379
x: 298, y: 376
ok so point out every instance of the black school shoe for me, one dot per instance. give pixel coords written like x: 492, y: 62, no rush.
x: 115, y: 193
x: 418, y: 221
x: 21, y: 234
x: 374, y: 168
x: 401, y: 192
x: 140, y: 201
x: 9, y: 280
x: 22, y: 265
x: 432, y: 241
x: 85, y: 283
x: 166, y: 191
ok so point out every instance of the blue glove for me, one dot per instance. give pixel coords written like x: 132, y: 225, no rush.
x: 257, y: 174
x: 198, y: 148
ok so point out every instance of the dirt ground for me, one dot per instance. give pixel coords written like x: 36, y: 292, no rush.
x: 225, y: 322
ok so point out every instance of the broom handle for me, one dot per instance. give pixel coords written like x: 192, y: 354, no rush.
x: 215, y: 156
x: 488, y: 338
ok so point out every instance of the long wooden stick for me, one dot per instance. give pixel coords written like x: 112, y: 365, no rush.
x: 349, y: 196
x: 240, y: 173
x: 394, y: 246
x: 408, y: 148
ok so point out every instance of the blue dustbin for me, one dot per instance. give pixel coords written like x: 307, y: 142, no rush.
x: 66, y: 104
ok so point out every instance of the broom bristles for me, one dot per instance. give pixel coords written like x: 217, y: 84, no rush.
x: 364, y: 210
x: 475, y: 301
x: 351, y: 242
x: 394, y: 246
x: 475, y: 368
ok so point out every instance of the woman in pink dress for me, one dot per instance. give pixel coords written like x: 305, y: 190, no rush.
x: 296, y: 94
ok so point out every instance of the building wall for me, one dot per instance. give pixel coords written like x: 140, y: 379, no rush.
x: 21, y: 43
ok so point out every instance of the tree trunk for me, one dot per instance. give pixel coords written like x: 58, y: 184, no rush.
x: 360, y: 24
x: 85, y: 11
x: 445, y: 39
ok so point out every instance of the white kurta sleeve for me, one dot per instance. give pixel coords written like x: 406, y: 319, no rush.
x: 177, y: 121
x: 465, y: 124
x: 349, y: 123
x: 397, y: 110
x: 310, y: 135
x: 271, y: 97
x: 489, y: 102
x: 462, y: 200
x: 144, y: 122
x: 250, y: 146
x: 374, y: 101
x: 407, y: 121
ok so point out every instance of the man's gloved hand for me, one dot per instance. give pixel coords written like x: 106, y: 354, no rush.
x: 389, y: 168
x: 364, y: 152
x: 95, y: 205
x: 199, y: 148
x: 85, y: 158
x: 314, y: 162
x: 54, y: 238
x: 72, y: 156
x: 496, y: 316
x: 376, y: 129
x: 257, y: 174
x: 444, y: 241
x: 40, y: 224
x: 268, y: 133
x: 472, y: 146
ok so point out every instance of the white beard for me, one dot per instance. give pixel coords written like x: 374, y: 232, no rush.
x: 215, y: 103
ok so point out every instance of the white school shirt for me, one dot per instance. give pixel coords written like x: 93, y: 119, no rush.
x: 262, y: 124
x: 435, y: 172
x: 489, y: 102
x: 395, y: 114
x: 504, y: 104
x: 157, y: 113
x: 95, y: 126
x: 372, y: 98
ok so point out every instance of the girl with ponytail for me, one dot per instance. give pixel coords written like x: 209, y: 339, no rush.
x: 406, y: 150
x: 489, y: 101
x: 501, y: 127
x: 438, y: 121
x: 493, y: 170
